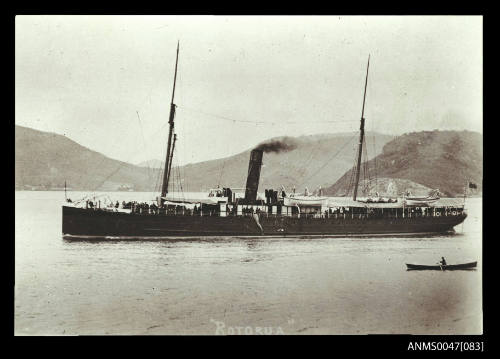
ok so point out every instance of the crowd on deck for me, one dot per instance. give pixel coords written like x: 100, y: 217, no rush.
x: 232, y: 210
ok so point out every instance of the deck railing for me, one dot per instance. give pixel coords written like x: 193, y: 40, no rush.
x: 344, y: 215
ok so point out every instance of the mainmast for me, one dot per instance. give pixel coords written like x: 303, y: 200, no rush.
x: 166, y: 171
x: 361, y: 136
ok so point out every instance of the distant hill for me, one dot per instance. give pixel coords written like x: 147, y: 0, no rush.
x: 444, y: 160
x: 45, y: 160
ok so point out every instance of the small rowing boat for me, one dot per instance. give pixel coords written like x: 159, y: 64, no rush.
x: 442, y: 267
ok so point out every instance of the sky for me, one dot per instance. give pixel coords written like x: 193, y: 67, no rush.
x: 106, y: 81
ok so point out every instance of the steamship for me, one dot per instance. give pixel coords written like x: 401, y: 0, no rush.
x: 222, y: 213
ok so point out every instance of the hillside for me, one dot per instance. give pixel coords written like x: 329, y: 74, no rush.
x: 45, y: 160
x: 444, y: 160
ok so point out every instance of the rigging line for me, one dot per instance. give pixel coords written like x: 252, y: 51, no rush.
x: 363, y: 163
x: 372, y: 125
x: 144, y: 143
x: 356, y: 167
x: 221, y: 171
x: 161, y: 172
x: 366, y: 169
x: 156, y: 187
x: 353, y: 172
x: 178, y: 167
x: 101, y: 162
x: 375, y: 163
x: 158, y: 178
x: 181, y: 147
x: 159, y: 129
x: 180, y: 183
x: 261, y: 122
x: 182, y: 169
x: 367, y: 165
x: 119, y: 167
x: 173, y: 182
x: 183, y: 159
x: 108, y: 177
x: 331, y: 158
x: 306, y: 160
x: 351, y: 180
x: 122, y: 163
x: 177, y: 179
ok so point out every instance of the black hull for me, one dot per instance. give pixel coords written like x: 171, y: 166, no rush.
x: 464, y: 266
x: 82, y: 222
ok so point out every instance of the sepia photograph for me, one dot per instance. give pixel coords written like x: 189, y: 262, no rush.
x: 248, y: 175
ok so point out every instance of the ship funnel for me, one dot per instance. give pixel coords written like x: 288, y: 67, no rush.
x: 253, y: 177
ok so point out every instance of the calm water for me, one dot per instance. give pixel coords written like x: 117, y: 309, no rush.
x: 290, y: 285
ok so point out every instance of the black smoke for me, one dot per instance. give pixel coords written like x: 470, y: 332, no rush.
x: 279, y: 145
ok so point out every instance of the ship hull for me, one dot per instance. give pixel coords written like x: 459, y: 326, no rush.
x: 83, y: 222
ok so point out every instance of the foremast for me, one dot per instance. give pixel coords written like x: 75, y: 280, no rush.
x: 170, y: 149
x: 361, y: 137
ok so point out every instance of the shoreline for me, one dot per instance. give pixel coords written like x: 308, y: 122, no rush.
x: 116, y: 191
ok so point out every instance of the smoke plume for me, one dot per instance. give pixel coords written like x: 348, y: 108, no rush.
x: 279, y: 145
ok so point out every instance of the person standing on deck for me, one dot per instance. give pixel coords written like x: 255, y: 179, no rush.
x: 443, y: 261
